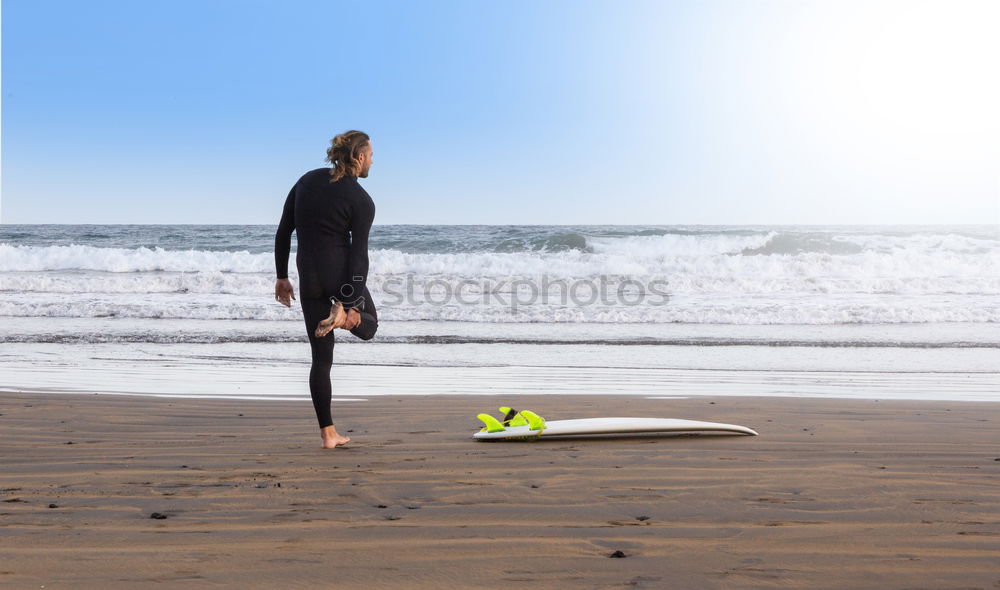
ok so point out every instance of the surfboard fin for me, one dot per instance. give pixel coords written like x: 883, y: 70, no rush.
x: 512, y: 417
x: 535, y: 422
x: 492, y: 424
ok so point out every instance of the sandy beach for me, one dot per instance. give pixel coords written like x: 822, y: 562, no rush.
x: 833, y: 494
x: 778, y: 215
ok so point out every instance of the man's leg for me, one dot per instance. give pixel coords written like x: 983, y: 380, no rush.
x: 369, y: 319
x: 320, y: 388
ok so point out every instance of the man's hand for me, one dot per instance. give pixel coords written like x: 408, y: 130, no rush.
x: 353, y: 319
x: 284, y: 292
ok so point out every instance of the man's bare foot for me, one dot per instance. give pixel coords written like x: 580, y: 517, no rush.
x: 353, y: 319
x: 331, y: 439
x: 337, y: 318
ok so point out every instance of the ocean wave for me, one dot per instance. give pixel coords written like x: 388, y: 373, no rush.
x: 433, y: 285
x: 936, y: 242
x: 678, y: 245
x: 121, y: 260
x: 772, y: 254
x: 768, y: 276
x: 192, y: 337
x: 741, y: 310
x: 211, y: 282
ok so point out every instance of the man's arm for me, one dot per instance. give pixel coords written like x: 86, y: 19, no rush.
x: 357, y: 262
x: 283, y: 290
x: 283, y: 238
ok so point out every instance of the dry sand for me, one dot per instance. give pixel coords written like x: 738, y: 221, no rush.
x: 833, y: 494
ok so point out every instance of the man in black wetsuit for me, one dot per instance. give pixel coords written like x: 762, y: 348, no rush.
x: 332, y: 215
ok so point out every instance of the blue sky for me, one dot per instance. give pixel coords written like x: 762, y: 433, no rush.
x: 550, y: 112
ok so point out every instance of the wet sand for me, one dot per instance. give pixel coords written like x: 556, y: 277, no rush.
x: 833, y: 494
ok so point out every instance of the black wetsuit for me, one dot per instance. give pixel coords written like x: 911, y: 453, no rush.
x: 332, y: 221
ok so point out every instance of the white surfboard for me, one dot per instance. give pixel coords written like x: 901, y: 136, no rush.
x: 612, y: 426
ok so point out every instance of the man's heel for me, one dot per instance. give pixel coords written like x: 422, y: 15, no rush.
x: 336, y: 319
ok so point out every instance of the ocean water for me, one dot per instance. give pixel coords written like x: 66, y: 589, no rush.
x: 696, y: 298
x: 517, y: 274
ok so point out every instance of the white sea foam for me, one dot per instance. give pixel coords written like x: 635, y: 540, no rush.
x: 121, y: 260
x: 763, y: 277
x: 926, y: 256
x: 947, y: 242
x: 210, y: 282
x: 677, y: 245
x: 30, y: 269
x: 687, y: 309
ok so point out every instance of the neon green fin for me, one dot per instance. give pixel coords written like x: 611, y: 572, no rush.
x: 516, y: 420
x: 492, y: 424
x: 535, y: 422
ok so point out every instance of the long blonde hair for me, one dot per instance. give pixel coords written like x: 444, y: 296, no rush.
x: 343, y: 149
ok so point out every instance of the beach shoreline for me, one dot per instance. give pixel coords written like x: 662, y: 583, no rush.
x: 833, y: 493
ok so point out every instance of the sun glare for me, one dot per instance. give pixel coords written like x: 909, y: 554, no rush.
x: 933, y: 68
